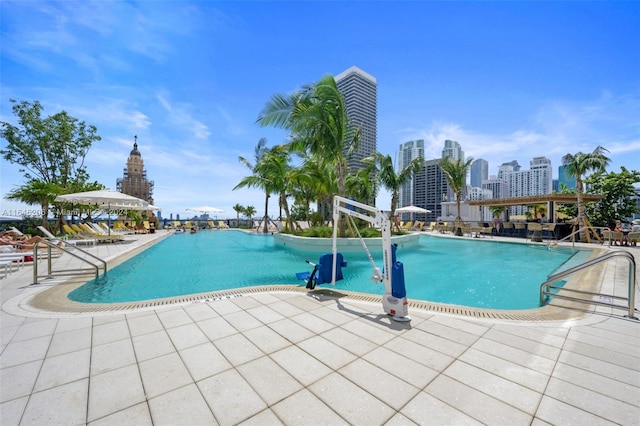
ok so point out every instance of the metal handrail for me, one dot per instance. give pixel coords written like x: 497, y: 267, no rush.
x: 68, y: 249
x: 545, y: 288
x: 577, y: 231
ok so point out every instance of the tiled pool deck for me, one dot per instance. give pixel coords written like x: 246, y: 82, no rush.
x: 294, y: 358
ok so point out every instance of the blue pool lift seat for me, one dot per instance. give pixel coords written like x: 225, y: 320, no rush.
x: 322, y: 272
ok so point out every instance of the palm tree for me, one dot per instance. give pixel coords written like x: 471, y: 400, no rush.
x: 256, y: 180
x: 249, y: 211
x: 456, y: 174
x: 274, y: 167
x: 37, y: 192
x: 578, y: 165
x: 239, y: 209
x: 316, y: 118
x: 391, y: 180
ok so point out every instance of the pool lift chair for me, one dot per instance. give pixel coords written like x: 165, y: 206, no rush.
x: 394, y: 300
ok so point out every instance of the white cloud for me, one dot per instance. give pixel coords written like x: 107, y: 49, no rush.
x: 180, y: 114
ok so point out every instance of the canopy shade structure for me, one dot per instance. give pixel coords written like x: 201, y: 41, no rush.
x: 412, y: 209
x: 205, y: 209
x: 104, y: 198
x: 155, y: 208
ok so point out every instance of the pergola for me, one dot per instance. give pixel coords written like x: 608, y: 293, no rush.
x: 549, y: 199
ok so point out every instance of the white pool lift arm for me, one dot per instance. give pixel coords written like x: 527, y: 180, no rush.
x: 395, y: 306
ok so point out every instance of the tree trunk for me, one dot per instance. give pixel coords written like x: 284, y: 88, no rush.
x: 266, y: 214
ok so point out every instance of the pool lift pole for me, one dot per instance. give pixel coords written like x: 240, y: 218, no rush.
x: 394, y: 300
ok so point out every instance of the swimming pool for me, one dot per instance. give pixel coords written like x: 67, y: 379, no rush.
x: 483, y: 274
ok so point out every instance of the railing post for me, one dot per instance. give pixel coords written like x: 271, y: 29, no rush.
x: 632, y: 288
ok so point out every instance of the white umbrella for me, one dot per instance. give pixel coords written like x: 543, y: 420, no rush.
x: 412, y: 209
x: 104, y: 199
x: 205, y: 209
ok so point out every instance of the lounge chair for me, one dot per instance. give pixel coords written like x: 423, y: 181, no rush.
x: 79, y: 235
x: 486, y: 230
x: 211, y: 225
x: 507, y: 228
x: 177, y: 224
x: 634, y: 238
x: 614, y: 237
x: 476, y: 229
x: 100, y: 236
x: 222, y: 225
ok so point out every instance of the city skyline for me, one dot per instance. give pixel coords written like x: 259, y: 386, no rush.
x: 507, y: 80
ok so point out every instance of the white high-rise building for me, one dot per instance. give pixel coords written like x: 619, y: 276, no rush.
x: 536, y: 181
x: 360, y: 92
x: 407, y: 153
x: 452, y: 150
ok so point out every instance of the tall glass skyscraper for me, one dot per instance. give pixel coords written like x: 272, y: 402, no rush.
x: 479, y: 172
x: 407, y: 153
x: 361, y: 98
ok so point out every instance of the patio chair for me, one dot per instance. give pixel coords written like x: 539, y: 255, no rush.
x: 507, y: 229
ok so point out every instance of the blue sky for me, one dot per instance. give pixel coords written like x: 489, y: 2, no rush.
x: 508, y: 80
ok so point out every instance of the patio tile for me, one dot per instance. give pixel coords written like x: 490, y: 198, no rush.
x: 138, y: 415
x: 326, y: 352
x: 349, y: 341
x: 516, y: 355
x: 333, y: 316
x: 223, y: 308
x: 468, y: 325
x: 269, y: 380
x: 44, y: 407
x: 200, y: 311
x: 25, y: 351
x: 183, y: 406
x: 245, y: 302
x: 11, y: 411
x: 108, y: 318
x: 523, y: 343
x: 62, y: 369
x: 291, y: 330
x: 70, y: 341
x: 163, y: 374
x: 313, y: 323
x: 110, y: 332
x: 592, y: 402
x: 622, y: 358
x: 32, y: 330
x: 285, y: 309
x: 265, y: 314
x: 114, y: 391
x: 367, y: 331
x: 263, y: 418
x: 419, y: 353
x: 304, y: 408
x: 476, y: 404
x: 217, y: 327
x: 558, y: 412
x: 204, y: 361
x: 223, y: 392
x: 18, y: 380
x: 144, y: 324
x: 629, y: 376
x: 554, y: 338
x: 444, y: 331
x: 424, y: 409
x: 238, y: 349
x: 112, y: 356
x: 174, y: 317
x: 517, y: 373
x: 500, y: 388
x: 629, y: 394
x: 8, y: 320
x: 242, y: 321
x: 402, y: 367
x: 350, y: 401
x: 432, y: 341
x: 266, y: 339
x: 152, y: 345
x: 382, y: 384
x: 185, y: 336
x: 7, y: 333
x: 304, y: 367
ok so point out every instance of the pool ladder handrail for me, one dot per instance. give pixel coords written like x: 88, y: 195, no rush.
x: 67, y: 248
x: 577, y: 231
x: 546, y: 287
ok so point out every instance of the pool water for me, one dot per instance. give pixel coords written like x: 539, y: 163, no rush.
x: 485, y: 274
